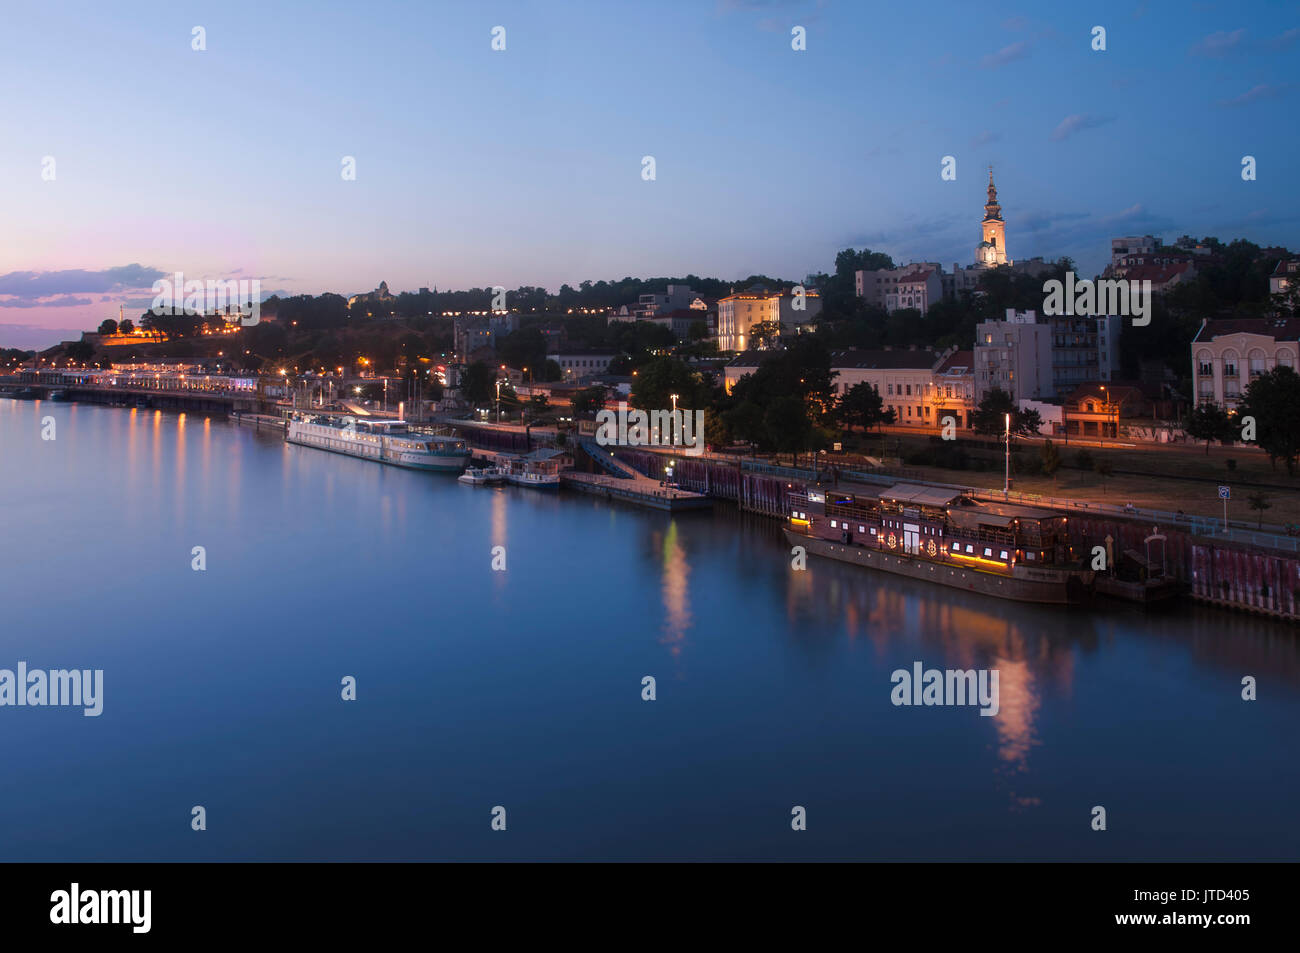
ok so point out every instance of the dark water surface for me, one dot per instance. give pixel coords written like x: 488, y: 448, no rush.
x: 523, y: 688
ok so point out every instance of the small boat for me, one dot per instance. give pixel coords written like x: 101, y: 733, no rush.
x: 58, y: 395
x: 482, y: 476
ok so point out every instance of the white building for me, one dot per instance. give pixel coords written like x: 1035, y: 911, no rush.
x: 579, y: 365
x: 1228, y: 354
x: 918, y: 290
x: 1014, y: 355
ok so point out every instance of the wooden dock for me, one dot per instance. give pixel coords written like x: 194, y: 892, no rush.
x: 640, y: 492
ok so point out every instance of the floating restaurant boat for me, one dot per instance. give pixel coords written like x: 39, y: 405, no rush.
x: 944, y: 536
x: 386, y: 441
x: 482, y: 476
x: 539, y: 469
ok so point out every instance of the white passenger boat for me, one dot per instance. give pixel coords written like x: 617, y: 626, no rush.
x: 385, y: 441
x: 482, y: 476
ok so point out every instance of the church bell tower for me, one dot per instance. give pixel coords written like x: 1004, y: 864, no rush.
x: 992, y: 249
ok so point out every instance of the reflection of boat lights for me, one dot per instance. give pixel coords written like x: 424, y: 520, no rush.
x: 979, y: 559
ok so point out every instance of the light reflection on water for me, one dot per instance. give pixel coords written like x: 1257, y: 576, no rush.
x: 524, y: 685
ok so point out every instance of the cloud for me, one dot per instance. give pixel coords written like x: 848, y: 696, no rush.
x: 1218, y: 44
x: 1285, y: 40
x: 56, y: 301
x: 1076, y: 123
x: 1041, y: 221
x: 984, y: 138
x: 1008, y: 54
x: 1256, y: 93
x: 23, y: 287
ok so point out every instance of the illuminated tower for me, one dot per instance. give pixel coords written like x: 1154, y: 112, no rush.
x: 992, y: 250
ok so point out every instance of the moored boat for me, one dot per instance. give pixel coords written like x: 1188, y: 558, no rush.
x: 385, y: 441
x: 482, y: 476
x: 943, y: 536
x: 539, y: 469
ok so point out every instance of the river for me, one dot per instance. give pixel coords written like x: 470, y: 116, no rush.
x: 522, y: 688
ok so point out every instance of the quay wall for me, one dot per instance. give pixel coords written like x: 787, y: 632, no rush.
x: 1215, y: 570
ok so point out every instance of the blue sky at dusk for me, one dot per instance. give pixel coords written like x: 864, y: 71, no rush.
x: 523, y: 167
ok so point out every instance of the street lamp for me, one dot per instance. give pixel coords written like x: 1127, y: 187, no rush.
x: 1105, y: 414
x: 499, y: 399
x: 1006, y: 480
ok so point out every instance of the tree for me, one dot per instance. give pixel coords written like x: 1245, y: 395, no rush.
x: 1083, y: 460
x: 1258, y: 501
x: 788, y: 427
x: 990, y: 417
x: 126, y: 327
x: 108, y: 326
x: 657, y: 381
x: 1104, y: 469
x: 587, y: 401
x: 478, y: 384
x: 1272, y: 401
x: 1208, y: 421
x: 1051, y: 458
x: 861, y: 405
x: 764, y: 333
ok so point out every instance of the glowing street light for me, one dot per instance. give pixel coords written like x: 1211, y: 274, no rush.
x: 1006, y: 482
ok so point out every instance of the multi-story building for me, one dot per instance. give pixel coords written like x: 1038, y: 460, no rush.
x: 757, y: 304
x: 471, y: 334
x: 1227, y: 354
x: 875, y: 287
x: 739, y: 312
x: 954, y: 388
x: 1123, y: 248
x: 1286, y: 274
x: 916, y: 290
x: 579, y: 365
x: 1014, y: 355
x: 904, y: 378
x: 653, y: 305
x: 794, y: 310
x: 1084, y: 350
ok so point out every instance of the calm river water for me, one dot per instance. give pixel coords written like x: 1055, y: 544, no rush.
x: 522, y: 689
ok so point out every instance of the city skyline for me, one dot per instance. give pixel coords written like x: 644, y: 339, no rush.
x: 523, y: 166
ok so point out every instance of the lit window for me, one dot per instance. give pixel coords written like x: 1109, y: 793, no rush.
x: 988, y: 551
x: 956, y: 547
x: 1004, y: 554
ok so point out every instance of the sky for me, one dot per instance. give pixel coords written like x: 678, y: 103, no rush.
x: 524, y: 166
